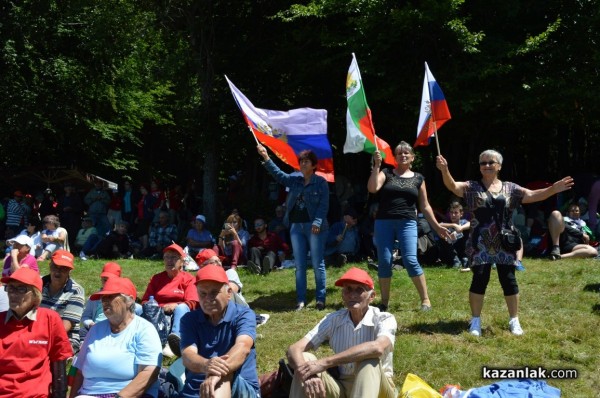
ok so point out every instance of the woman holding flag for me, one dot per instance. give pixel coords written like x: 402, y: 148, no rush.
x: 400, y: 191
x: 306, y: 209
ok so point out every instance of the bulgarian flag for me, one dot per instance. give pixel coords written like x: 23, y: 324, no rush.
x: 360, y: 132
x: 287, y: 133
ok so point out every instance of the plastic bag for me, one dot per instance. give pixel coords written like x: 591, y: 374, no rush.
x: 415, y: 387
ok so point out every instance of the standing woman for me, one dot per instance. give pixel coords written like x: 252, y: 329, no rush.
x: 306, y: 209
x: 486, y: 198
x: 400, y: 191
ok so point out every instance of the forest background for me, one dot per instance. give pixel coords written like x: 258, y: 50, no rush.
x: 129, y: 88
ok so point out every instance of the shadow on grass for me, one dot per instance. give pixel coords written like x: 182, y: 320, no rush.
x: 592, y: 287
x: 446, y: 327
x: 596, y: 309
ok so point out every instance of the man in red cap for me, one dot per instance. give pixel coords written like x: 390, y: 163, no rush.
x: 209, y: 256
x: 362, y: 339
x: 92, y: 312
x: 34, y: 345
x: 217, y: 342
x: 63, y: 295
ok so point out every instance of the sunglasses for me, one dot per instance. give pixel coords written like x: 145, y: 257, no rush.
x: 490, y: 163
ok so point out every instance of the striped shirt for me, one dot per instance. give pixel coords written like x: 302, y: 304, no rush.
x: 15, y: 213
x: 69, y: 303
x: 337, y: 329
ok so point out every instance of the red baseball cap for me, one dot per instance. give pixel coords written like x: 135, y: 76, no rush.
x: 116, y: 285
x: 205, y: 255
x: 212, y: 272
x: 176, y: 248
x: 18, y: 193
x: 110, y: 270
x: 355, y: 275
x: 63, y: 258
x: 26, y: 276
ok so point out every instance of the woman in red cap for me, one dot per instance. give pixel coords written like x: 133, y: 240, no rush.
x: 121, y: 354
x: 92, y: 312
x: 34, y: 346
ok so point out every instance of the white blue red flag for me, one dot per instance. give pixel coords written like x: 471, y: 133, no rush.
x: 287, y: 133
x: 434, y: 109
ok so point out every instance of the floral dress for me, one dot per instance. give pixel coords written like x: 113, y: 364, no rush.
x: 483, y: 246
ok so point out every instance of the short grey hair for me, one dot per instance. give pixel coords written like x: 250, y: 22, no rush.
x: 405, y: 146
x: 129, y: 302
x: 491, y: 153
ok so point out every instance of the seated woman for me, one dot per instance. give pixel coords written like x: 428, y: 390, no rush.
x: 54, y: 237
x: 233, y: 240
x: 20, y: 255
x: 173, y: 289
x: 198, y: 237
x: 121, y: 354
x: 31, y: 369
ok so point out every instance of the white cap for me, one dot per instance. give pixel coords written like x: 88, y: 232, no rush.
x: 200, y: 217
x: 21, y: 239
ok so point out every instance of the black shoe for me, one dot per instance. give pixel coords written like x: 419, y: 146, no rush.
x: 174, y: 344
x: 555, y: 253
x: 252, y: 266
x: 372, y: 264
x: 320, y: 306
x: 382, y: 307
x: 340, y: 260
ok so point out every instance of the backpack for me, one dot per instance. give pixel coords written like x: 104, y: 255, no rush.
x: 156, y: 316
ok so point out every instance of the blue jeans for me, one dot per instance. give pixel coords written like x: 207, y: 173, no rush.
x: 304, y: 240
x: 386, y: 231
x: 178, y: 313
x: 91, y: 244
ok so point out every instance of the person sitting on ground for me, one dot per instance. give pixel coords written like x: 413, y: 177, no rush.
x: 343, y: 241
x: 362, y: 339
x: 121, y: 355
x: 217, y: 342
x: 35, y: 346
x: 54, y: 237
x: 20, y: 255
x: 87, y: 229
x: 209, y: 256
x: 452, y: 251
x: 93, y: 312
x: 162, y: 234
x: 568, y: 238
x: 266, y: 250
x: 63, y: 295
x: 277, y: 225
x: 198, y: 237
x: 114, y: 245
x: 174, y: 291
x: 233, y: 240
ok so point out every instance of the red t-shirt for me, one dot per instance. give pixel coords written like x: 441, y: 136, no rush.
x: 27, y: 347
x: 180, y: 289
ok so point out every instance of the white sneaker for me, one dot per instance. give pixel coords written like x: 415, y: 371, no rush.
x: 515, y: 327
x: 475, y: 328
x: 82, y: 256
x: 167, y: 352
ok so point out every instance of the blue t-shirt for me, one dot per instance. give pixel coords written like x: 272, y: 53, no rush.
x: 212, y: 341
x: 110, y: 361
x: 202, y: 236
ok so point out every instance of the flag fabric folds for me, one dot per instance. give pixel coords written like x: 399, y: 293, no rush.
x: 287, y: 133
x: 360, y: 132
x: 434, y: 109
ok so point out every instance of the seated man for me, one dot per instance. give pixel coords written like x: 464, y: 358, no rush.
x: 265, y: 249
x: 162, y: 234
x: 568, y: 236
x: 112, y: 246
x: 87, y: 230
x: 277, y: 225
x: 198, y: 237
x: 63, y: 295
x: 343, y: 241
x: 362, y: 339
x: 217, y: 342
x: 452, y: 252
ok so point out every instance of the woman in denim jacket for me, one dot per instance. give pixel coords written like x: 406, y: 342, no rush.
x: 306, y: 209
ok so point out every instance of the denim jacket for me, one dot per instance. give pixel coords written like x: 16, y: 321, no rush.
x: 316, y: 194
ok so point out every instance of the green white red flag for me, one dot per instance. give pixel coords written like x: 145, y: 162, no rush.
x: 360, y: 132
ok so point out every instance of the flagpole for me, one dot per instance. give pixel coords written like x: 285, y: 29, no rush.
x: 256, y: 139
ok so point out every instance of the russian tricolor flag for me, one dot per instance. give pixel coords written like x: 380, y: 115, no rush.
x: 434, y: 109
x: 287, y: 133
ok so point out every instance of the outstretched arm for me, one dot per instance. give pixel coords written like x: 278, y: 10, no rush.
x: 456, y: 187
x: 542, y: 194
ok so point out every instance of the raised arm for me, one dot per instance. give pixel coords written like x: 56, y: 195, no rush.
x: 377, y: 178
x: 542, y: 194
x: 456, y: 187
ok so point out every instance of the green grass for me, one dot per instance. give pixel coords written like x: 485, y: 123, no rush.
x: 560, y: 313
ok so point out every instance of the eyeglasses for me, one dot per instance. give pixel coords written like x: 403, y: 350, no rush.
x: 490, y: 163
x: 16, y: 289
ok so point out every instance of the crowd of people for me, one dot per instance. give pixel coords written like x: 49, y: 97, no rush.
x: 117, y: 340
